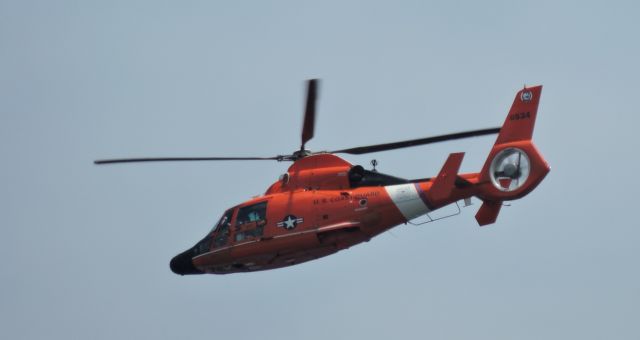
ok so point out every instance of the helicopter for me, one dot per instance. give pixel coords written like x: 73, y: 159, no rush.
x: 324, y: 204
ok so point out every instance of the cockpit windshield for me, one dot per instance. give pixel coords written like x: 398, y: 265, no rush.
x: 218, y: 236
x: 224, y: 220
x: 221, y: 230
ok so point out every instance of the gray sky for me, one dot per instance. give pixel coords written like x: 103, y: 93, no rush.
x: 86, y: 249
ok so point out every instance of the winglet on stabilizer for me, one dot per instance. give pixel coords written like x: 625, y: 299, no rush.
x: 488, y: 212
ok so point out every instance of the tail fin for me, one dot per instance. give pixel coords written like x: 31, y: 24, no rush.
x: 522, y: 117
x: 514, y: 166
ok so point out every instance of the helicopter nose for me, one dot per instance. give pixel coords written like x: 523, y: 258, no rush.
x: 182, y: 264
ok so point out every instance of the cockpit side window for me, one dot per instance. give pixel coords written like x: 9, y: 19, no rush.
x: 251, y: 221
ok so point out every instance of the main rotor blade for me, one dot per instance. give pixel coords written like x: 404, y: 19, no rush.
x: 309, y: 112
x: 172, y: 159
x: 415, y: 142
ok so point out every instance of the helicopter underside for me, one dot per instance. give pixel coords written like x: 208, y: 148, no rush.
x: 284, y: 251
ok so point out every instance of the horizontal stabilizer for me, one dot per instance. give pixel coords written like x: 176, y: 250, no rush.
x: 462, y: 182
x: 445, y: 182
x: 488, y: 212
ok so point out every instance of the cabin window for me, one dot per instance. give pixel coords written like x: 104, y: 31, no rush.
x: 251, y: 221
x: 252, y: 213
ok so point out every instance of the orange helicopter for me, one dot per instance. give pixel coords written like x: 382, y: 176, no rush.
x: 324, y: 204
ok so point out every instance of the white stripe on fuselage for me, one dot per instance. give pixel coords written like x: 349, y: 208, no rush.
x: 407, y: 199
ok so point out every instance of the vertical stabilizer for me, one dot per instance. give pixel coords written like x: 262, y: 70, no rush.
x: 514, y: 166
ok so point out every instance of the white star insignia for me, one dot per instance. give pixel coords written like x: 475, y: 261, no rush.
x: 289, y: 223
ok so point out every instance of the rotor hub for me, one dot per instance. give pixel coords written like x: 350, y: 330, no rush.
x: 300, y: 154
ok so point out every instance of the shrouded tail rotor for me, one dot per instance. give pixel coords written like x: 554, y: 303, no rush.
x: 510, y: 169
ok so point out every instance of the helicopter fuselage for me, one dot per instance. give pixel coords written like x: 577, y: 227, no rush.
x: 320, y: 206
x: 324, y: 204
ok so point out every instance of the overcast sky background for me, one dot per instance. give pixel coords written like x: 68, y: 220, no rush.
x: 85, y: 250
